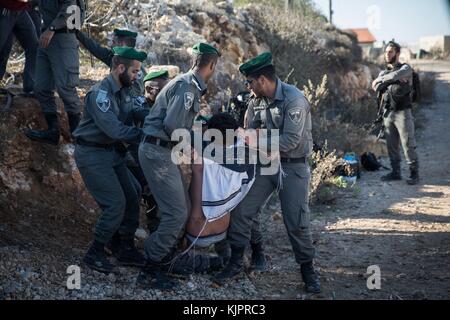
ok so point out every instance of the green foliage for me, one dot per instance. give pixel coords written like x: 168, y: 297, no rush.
x: 338, y: 182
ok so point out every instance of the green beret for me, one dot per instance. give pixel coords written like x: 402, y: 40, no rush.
x: 125, y: 33
x: 202, y: 48
x: 253, y: 65
x: 129, y: 53
x: 156, y: 74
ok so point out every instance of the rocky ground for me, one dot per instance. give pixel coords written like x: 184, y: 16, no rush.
x: 404, y: 230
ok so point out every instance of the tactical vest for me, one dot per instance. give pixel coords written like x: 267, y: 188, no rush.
x: 398, y: 95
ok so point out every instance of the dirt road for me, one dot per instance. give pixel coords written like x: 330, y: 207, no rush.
x: 402, y: 229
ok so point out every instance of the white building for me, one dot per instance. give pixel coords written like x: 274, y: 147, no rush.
x: 436, y: 42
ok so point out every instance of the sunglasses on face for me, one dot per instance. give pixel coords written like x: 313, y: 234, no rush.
x: 248, y: 82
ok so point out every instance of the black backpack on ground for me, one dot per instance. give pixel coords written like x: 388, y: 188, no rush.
x: 370, y: 162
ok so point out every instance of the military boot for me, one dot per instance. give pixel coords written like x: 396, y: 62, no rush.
x: 95, y: 258
x: 394, y: 175
x: 112, y: 246
x: 310, y: 278
x: 258, y: 262
x: 128, y: 255
x: 190, y: 263
x: 74, y: 121
x: 414, y: 175
x: 154, y: 275
x: 51, y: 135
x: 234, y: 267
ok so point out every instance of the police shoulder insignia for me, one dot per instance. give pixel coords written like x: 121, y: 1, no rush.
x: 102, y: 100
x: 139, y: 100
x: 295, y: 115
x: 188, y: 100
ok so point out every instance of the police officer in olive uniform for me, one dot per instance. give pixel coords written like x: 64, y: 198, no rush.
x: 282, y: 107
x: 57, y: 65
x: 153, y: 82
x: 395, y: 84
x: 121, y: 38
x: 175, y: 107
x: 112, y: 185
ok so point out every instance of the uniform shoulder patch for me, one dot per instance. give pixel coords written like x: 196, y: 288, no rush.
x: 188, y: 100
x: 139, y: 101
x: 295, y: 115
x: 102, y: 100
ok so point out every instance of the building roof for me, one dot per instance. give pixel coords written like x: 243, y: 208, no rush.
x: 363, y: 35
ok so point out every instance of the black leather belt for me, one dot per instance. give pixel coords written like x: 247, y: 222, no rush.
x: 293, y: 160
x: 64, y: 30
x: 85, y: 143
x: 158, y: 142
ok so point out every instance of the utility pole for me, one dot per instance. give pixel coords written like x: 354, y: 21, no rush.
x: 331, y: 11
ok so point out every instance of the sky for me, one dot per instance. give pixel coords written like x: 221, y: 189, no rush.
x: 403, y: 20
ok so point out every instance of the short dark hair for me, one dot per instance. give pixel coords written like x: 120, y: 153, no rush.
x: 202, y: 60
x: 129, y: 41
x: 394, y: 45
x: 117, y: 60
x: 222, y: 121
x: 268, y: 71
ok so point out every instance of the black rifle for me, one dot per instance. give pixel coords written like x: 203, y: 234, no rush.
x: 383, y: 112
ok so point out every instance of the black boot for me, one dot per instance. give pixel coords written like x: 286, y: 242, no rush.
x: 259, y: 262
x: 112, y: 247
x: 234, y: 267
x: 154, y: 276
x: 394, y: 175
x: 310, y: 278
x: 414, y: 175
x: 190, y: 263
x: 51, y: 135
x: 128, y: 255
x: 74, y: 120
x: 151, y: 213
x: 95, y: 258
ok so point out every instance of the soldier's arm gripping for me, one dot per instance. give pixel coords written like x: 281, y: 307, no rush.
x: 108, y: 122
x: 102, y: 53
x: 60, y: 21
